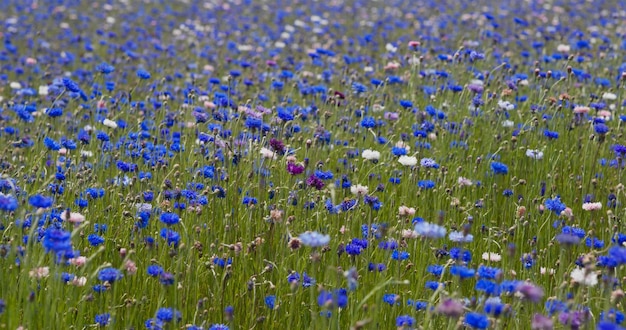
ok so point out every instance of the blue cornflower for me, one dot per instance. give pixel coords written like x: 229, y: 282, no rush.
x: 499, y: 168
x: 293, y: 277
x: 143, y: 74
x: 40, y: 201
x: 103, y: 319
x: 433, y: 285
x: 95, y: 240
x: 429, y: 163
x: 405, y: 321
x: 477, y: 320
x: 169, y: 218
x: 154, y: 324
x: 54, y: 112
x: 71, y: 85
x: 388, y: 245
x: 368, y: 122
x: 618, y: 253
x: 406, y: 104
x: 391, y: 299
x: 607, y: 325
x: 103, y: 136
x: 307, y: 280
x: 555, y: 205
x: 550, y: 134
x: 398, y: 151
x: 613, y: 314
x: 399, y: 255
x: 494, y: 308
x: 488, y: 272
x: 218, y: 326
x: 166, y: 314
x: 436, y: 270
x: 171, y: 236
x: 353, y: 249
x: 270, y: 301
x: 457, y: 253
x: 462, y: 271
x: 105, y: 68
x: 594, y: 243
x: 253, y: 123
x: 155, y: 270
x: 57, y: 240
x: 109, y: 275
x: 600, y: 128
x: 488, y: 287
x: 8, y: 203
x: 426, y: 184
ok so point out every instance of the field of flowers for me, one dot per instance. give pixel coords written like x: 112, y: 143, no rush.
x: 312, y: 164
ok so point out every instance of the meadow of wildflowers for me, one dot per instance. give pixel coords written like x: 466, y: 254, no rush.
x: 312, y: 164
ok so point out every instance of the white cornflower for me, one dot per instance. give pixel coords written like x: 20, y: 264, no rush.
x: 359, y: 190
x: 506, y: 105
x: 407, y: 160
x: 462, y: 182
x: 581, y: 276
x: 109, y: 123
x: 609, y: 96
x: 43, y: 90
x: 491, y: 256
x: 534, y: 154
x: 563, y: 48
x: 370, y: 154
x: 267, y: 153
x: 391, y: 48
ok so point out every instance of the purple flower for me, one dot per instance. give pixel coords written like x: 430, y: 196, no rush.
x: 575, y: 319
x: 315, y: 182
x: 295, y: 169
x: 567, y: 239
x: 450, y: 308
x: 530, y: 292
x: 541, y: 322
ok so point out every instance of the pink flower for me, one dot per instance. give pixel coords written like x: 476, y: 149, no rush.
x: 391, y: 115
x: 605, y: 114
x: 39, y: 273
x: 581, y: 110
x: 392, y: 65
x: 592, y: 206
x: 79, y: 281
x: 406, y: 211
x: 74, y: 217
x: 209, y: 105
x: 31, y: 61
x: 78, y: 261
x: 409, y: 233
x: 567, y: 212
x: 130, y: 267
x: 414, y: 44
